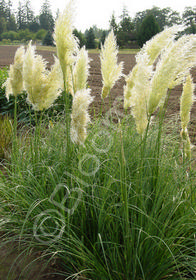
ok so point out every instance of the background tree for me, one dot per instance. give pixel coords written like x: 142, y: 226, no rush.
x: 125, y: 33
x: 34, y: 26
x: 90, y: 39
x: 46, y: 18
x: 113, y: 24
x: 11, y: 21
x: 29, y: 15
x: 3, y: 25
x: 164, y: 17
x: 189, y: 19
x: 173, y: 18
x: 21, y: 20
x: 80, y: 36
x: 103, y: 36
x: 149, y: 27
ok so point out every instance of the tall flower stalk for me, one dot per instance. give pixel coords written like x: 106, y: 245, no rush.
x: 110, y: 69
x: 66, y: 42
x: 186, y: 103
x: 14, y: 86
x: 67, y: 47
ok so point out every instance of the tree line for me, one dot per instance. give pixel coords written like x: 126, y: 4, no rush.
x: 24, y: 25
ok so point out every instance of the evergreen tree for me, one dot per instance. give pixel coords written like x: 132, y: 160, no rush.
x: 46, y: 18
x: 90, y: 39
x: 80, y: 36
x: 3, y: 16
x: 125, y: 32
x: 21, y: 20
x: 34, y: 26
x: 103, y: 36
x: 11, y: 24
x: 2, y: 25
x: 3, y: 9
x: 11, y: 21
x: 113, y: 24
x: 29, y: 15
x: 148, y: 29
x: 164, y: 17
x: 48, y: 39
x: 126, y: 24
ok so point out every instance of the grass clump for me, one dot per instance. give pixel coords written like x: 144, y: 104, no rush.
x: 80, y: 214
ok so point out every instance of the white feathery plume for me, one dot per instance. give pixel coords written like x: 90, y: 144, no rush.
x: 111, y: 71
x: 42, y: 86
x: 140, y: 92
x: 172, y: 68
x: 130, y: 81
x: 153, y: 48
x: 14, y: 83
x: 161, y: 41
x: 79, y: 116
x: 66, y: 42
x: 81, y: 70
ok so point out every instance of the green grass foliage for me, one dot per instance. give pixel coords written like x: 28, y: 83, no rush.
x: 117, y: 211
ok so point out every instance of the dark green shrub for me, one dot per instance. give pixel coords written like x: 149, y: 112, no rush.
x: 48, y: 39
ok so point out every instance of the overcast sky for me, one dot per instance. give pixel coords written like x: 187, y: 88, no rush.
x: 98, y: 12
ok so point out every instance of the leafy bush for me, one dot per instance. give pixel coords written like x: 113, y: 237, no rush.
x: 12, y: 35
x: 40, y: 34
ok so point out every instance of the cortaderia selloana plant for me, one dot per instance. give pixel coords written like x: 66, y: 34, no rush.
x: 14, y: 86
x: 175, y: 59
x: 69, y: 73
x: 75, y: 67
